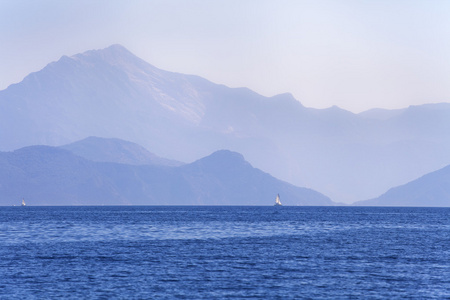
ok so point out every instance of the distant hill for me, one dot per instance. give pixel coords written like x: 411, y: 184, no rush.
x: 46, y: 175
x: 118, y: 151
x: 226, y: 177
x: 432, y: 189
x: 111, y: 93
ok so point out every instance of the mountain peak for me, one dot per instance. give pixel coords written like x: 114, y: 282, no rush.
x: 115, y: 55
x: 116, y: 50
x: 222, y: 159
x: 116, y: 47
x: 227, y: 155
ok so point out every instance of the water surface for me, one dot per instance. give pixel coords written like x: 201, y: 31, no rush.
x: 224, y: 252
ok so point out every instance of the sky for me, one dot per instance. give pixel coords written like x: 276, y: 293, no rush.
x: 354, y: 54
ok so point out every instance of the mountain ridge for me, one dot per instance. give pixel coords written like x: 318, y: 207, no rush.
x: 46, y: 175
x: 111, y: 93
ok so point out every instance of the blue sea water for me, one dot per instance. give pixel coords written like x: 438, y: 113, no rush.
x: 224, y: 253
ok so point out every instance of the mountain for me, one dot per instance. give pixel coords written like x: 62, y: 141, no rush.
x: 45, y: 175
x: 432, y: 189
x: 226, y: 177
x: 111, y: 93
x: 118, y: 151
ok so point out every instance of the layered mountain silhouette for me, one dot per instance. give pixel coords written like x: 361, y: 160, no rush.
x: 118, y: 151
x: 111, y: 93
x: 432, y: 189
x: 46, y: 175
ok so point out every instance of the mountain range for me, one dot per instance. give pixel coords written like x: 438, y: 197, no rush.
x: 46, y: 175
x: 111, y: 93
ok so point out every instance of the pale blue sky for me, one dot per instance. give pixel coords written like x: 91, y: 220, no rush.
x: 353, y: 54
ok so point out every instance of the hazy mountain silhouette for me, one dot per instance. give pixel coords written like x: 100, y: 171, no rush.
x: 118, y: 151
x: 46, y: 175
x: 225, y: 176
x: 111, y: 93
x: 432, y: 189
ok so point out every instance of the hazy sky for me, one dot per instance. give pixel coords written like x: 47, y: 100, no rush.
x: 353, y: 54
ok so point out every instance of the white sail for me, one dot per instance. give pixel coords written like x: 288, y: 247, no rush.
x: 23, y: 202
x: 277, y: 200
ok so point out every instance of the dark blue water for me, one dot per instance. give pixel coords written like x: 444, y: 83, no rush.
x: 224, y: 252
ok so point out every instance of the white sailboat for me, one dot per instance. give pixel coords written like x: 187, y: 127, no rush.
x: 23, y: 202
x: 277, y: 200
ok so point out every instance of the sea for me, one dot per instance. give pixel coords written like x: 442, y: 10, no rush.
x: 212, y: 252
